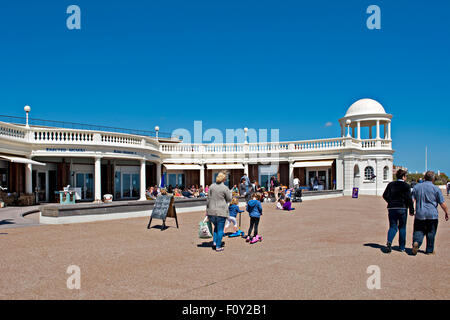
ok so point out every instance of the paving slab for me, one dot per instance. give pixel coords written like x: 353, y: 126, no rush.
x: 319, y: 251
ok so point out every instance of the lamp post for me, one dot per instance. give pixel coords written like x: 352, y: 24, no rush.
x: 156, y: 130
x: 27, y: 109
x: 245, y: 137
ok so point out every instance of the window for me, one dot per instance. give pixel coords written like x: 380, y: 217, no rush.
x: 176, y: 179
x: 368, y: 173
x: 385, y: 173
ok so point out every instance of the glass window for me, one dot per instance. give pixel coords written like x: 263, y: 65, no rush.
x: 172, y: 179
x: 368, y: 173
x: 265, y: 173
x: 89, y: 186
x: 4, y: 178
x: 118, y: 185
x: 385, y: 173
x: 180, y: 180
x: 135, y: 183
x: 126, y: 185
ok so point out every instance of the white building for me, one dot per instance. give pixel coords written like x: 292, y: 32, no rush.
x: 47, y: 158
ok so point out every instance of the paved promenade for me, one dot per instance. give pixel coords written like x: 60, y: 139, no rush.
x: 319, y: 251
x: 11, y: 217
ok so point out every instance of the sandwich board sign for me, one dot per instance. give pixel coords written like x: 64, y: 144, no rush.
x: 355, y: 192
x: 162, y: 209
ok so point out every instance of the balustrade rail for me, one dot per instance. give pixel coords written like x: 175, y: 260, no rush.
x: 61, y: 136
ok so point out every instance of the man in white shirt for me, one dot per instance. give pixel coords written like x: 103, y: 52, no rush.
x: 296, y: 183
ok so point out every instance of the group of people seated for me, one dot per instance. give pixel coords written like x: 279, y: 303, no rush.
x: 180, y: 192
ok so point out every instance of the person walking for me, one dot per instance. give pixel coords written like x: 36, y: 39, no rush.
x: 448, y: 187
x: 247, y: 182
x: 398, y: 197
x: 427, y: 197
x: 276, y: 188
x: 296, y: 183
x: 254, y: 210
x: 217, y: 208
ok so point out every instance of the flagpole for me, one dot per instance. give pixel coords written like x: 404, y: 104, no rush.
x: 426, y: 159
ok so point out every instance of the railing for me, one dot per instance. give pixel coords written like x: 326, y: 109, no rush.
x: 89, y: 137
x: 367, y: 144
x: 80, y: 126
x: 295, y: 146
x: 12, y: 131
x: 336, y: 143
x: 55, y: 136
x: 120, y: 139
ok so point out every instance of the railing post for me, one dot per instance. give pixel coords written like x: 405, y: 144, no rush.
x: 378, y: 144
x: 97, y: 138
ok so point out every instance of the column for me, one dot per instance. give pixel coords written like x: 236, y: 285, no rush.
x: 28, y: 178
x: 370, y: 132
x: 342, y: 131
x: 98, y: 179
x: 142, y: 180
x: 378, y: 129
x: 158, y: 174
x: 339, y: 174
x: 358, y: 124
x: 389, y: 130
x: 291, y: 174
x: 202, y: 175
x: 47, y: 188
x: 246, y: 169
x: 348, y: 176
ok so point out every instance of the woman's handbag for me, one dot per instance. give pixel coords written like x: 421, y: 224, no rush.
x: 205, y: 229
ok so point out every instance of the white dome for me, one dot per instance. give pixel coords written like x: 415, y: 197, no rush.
x: 365, y: 106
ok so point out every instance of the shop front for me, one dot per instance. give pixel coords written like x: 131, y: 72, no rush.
x: 181, y: 175
x: 127, y: 182
x: 4, y: 175
x: 234, y: 172
x: 315, y: 175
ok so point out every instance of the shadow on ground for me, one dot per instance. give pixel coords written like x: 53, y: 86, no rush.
x: 6, y: 221
x: 382, y: 248
x: 209, y: 244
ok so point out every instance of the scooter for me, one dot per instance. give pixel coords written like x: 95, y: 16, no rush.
x: 238, y: 233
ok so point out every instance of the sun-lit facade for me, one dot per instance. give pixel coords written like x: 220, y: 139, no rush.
x: 45, y: 159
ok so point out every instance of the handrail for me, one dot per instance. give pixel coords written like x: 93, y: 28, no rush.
x: 54, y: 124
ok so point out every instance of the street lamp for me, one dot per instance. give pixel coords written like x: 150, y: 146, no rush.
x: 27, y: 109
x: 156, y: 130
x: 348, y: 127
x: 245, y: 132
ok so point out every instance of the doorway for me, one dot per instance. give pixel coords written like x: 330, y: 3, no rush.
x: 318, y: 179
x: 85, y: 181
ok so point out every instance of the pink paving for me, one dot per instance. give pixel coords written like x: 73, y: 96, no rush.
x: 319, y: 251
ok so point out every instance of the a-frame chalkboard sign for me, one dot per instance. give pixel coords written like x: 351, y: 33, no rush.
x: 162, y: 209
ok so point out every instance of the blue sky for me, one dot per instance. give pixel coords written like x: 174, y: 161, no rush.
x: 292, y: 65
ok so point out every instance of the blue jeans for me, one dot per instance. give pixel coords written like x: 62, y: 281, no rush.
x: 426, y: 228
x: 397, y: 221
x: 219, y: 224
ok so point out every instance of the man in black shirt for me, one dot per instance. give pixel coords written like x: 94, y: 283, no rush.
x: 398, y: 197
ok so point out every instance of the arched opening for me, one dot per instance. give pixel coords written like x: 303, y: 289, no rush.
x: 356, y: 176
x: 386, y: 173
